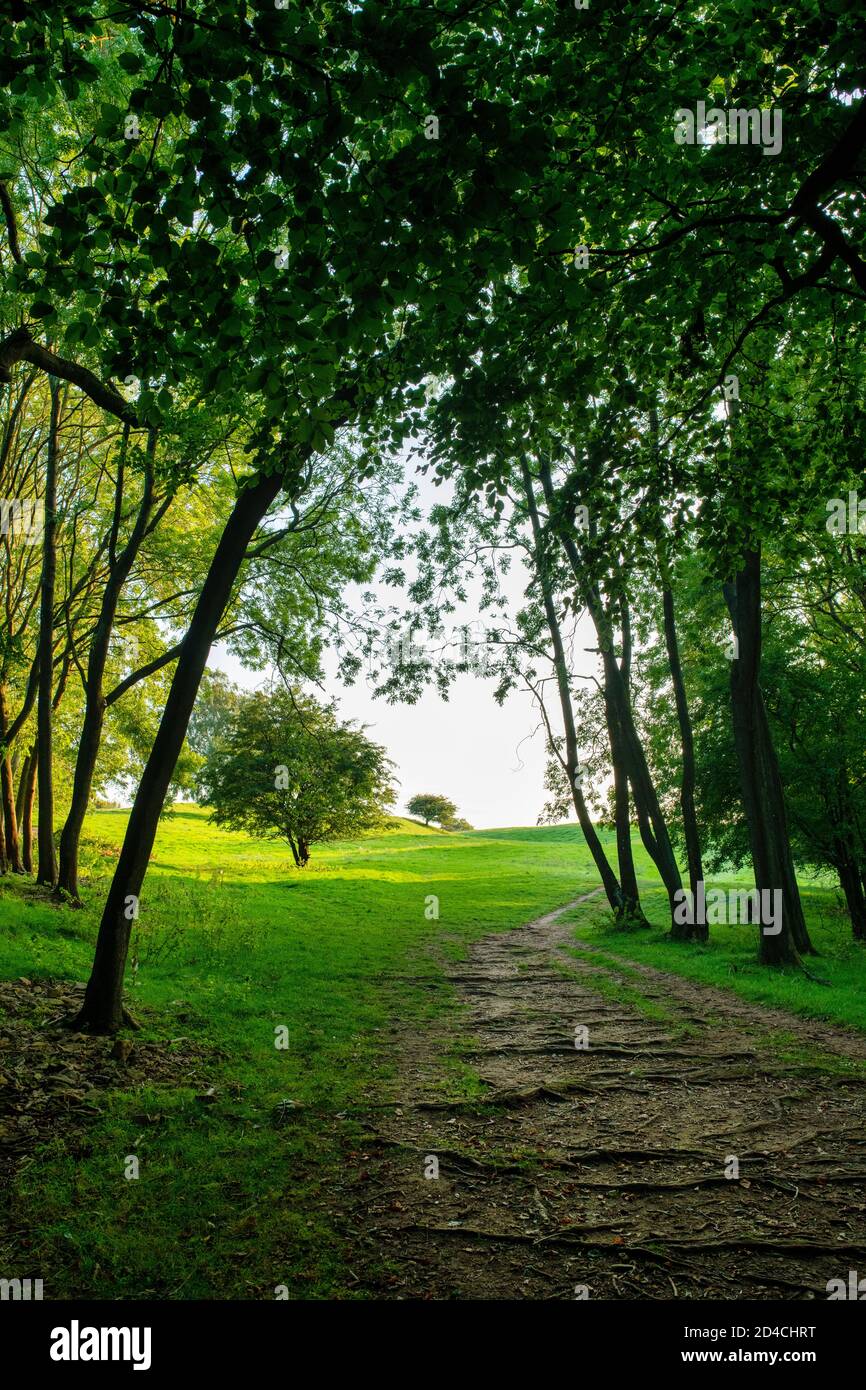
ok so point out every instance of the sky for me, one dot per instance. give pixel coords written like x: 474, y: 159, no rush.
x: 484, y: 756
x: 488, y: 759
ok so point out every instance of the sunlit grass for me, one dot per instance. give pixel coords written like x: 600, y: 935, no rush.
x: 831, y: 986
x: 232, y: 942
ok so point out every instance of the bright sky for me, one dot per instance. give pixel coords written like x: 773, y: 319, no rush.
x: 469, y: 748
x: 485, y: 757
x: 489, y: 759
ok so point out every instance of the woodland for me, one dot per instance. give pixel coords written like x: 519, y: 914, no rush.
x: 272, y: 272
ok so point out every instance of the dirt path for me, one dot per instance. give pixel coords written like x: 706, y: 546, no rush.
x: 607, y: 1170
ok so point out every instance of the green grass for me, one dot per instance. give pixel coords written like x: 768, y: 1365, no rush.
x: 729, y: 959
x: 232, y: 942
x: 598, y: 978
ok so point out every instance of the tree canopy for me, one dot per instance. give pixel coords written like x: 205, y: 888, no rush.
x: 431, y: 807
x: 285, y: 767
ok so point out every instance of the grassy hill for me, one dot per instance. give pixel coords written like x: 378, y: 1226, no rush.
x: 234, y: 942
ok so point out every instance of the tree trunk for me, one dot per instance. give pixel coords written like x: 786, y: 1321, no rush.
x: 102, y: 1011
x: 763, y: 799
x: 47, y: 866
x: 842, y: 818
x: 631, y: 909
x: 596, y: 849
x: 697, y: 930
x: 7, y: 792
x: 625, y: 857
x: 95, y: 702
x: 22, y: 788
x: 852, y: 886
x: 635, y: 763
x: 634, y: 759
x: 27, y: 812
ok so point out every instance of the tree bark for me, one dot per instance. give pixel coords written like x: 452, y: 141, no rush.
x: 26, y: 821
x: 47, y: 865
x: 102, y: 1011
x: 634, y: 759
x: 842, y: 818
x: 696, y: 930
x: 624, y: 854
x: 596, y: 849
x: 95, y: 701
x: 631, y: 909
x: 649, y: 811
x: 7, y: 792
x: 763, y: 799
x: 22, y: 785
x: 852, y: 886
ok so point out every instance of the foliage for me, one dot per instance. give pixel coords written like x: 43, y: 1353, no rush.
x: 431, y: 807
x: 287, y: 768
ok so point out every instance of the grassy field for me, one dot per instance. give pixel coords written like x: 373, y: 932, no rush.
x: 835, y: 991
x: 232, y: 943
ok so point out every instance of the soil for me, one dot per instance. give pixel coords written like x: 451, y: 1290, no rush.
x: 52, y: 1081
x: 673, y: 1159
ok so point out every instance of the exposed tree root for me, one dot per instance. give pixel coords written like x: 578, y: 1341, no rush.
x: 510, y: 1099
x: 576, y: 1238
x: 80, y: 1023
x: 540, y: 1164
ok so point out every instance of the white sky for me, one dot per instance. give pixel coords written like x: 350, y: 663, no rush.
x: 489, y: 759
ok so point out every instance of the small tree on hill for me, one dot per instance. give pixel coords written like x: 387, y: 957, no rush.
x: 430, y: 807
x: 287, y: 768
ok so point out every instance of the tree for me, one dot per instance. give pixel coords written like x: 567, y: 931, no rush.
x: 217, y: 706
x: 286, y: 768
x: 431, y: 807
x: 300, y: 274
x: 47, y: 867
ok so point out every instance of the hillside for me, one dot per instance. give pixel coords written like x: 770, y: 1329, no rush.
x: 241, y: 1141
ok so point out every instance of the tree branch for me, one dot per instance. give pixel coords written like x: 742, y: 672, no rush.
x: 11, y: 222
x: 20, y: 346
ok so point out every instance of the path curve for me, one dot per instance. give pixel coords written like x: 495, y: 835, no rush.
x: 672, y: 1156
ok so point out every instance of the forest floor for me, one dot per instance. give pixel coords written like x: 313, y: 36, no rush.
x: 264, y: 1172
x: 694, y: 1145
